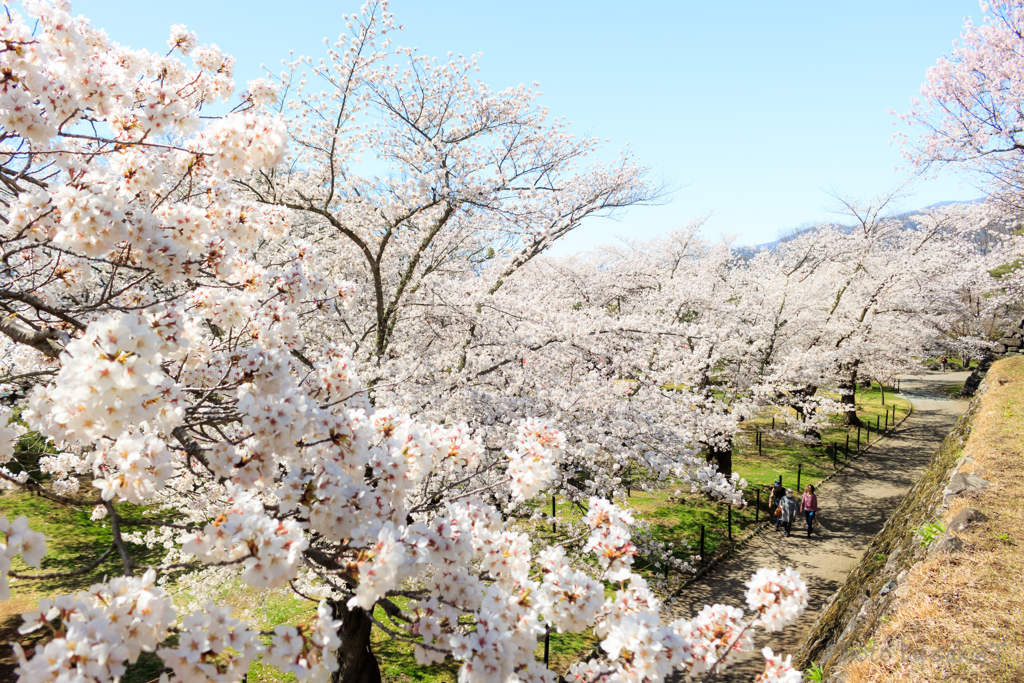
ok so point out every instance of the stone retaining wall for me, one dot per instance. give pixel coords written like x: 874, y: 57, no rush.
x: 850, y: 616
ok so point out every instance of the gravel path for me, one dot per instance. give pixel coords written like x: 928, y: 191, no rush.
x: 854, y: 506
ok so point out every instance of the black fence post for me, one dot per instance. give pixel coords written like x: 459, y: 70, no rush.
x: 878, y: 421
x: 858, y: 438
x: 773, y: 423
x: 834, y: 451
x: 730, y: 523
x: 759, y: 442
x: 757, y: 507
x: 553, y: 513
x: 799, y: 467
x: 546, y: 643
x: 702, y: 544
x: 886, y: 419
x: 780, y: 480
x: 846, y: 453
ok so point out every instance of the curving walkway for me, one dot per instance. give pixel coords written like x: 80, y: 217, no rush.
x: 854, y: 506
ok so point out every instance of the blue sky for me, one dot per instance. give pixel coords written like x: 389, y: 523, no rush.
x: 753, y: 110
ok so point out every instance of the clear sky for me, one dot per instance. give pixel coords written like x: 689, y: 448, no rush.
x: 753, y: 110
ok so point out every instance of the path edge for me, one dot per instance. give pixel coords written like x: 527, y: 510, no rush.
x: 760, y: 527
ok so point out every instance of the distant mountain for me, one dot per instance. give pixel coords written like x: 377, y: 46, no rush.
x: 939, y: 205
x: 806, y: 227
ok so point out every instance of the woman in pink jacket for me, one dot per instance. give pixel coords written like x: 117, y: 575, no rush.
x: 809, y: 506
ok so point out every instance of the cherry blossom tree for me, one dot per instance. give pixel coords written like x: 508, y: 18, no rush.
x: 459, y: 173
x: 466, y: 188
x: 162, y: 306
x: 591, y: 334
x: 662, y: 303
x: 971, y: 115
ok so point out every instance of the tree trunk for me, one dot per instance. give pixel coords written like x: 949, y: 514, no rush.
x: 356, y: 662
x: 721, y: 456
x: 806, y: 413
x: 848, y: 398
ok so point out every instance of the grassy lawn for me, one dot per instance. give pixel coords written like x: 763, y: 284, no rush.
x: 64, y: 552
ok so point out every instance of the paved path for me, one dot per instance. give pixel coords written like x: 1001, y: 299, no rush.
x: 854, y: 506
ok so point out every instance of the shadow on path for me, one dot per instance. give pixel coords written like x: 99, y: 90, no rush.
x: 854, y: 507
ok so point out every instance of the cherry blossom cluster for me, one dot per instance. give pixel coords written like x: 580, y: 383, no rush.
x: 10, y: 432
x: 610, y: 538
x: 18, y: 538
x: 640, y: 648
x: 777, y: 597
x: 569, y: 599
x: 532, y: 464
x: 212, y: 647
x: 778, y: 669
x: 268, y: 549
x: 99, y: 631
x: 111, y: 380
x: 306, y: 652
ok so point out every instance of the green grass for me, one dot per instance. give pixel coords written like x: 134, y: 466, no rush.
x: 783, y: 458
x: 72, y: 541
x: 68, y: 551
x: 678, y: 520
x: 953, y: 390
x: 567, y: 648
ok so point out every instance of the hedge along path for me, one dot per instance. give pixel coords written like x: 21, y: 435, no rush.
x: 854, y: 504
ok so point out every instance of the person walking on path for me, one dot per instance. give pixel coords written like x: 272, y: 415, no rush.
x: 777, y: 494
x: 789, y: 508
x: 809, y: 506
x: 867, y: 495
x: 944, y: 361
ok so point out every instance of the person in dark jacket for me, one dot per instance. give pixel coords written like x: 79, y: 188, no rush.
x: 774, y: 498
